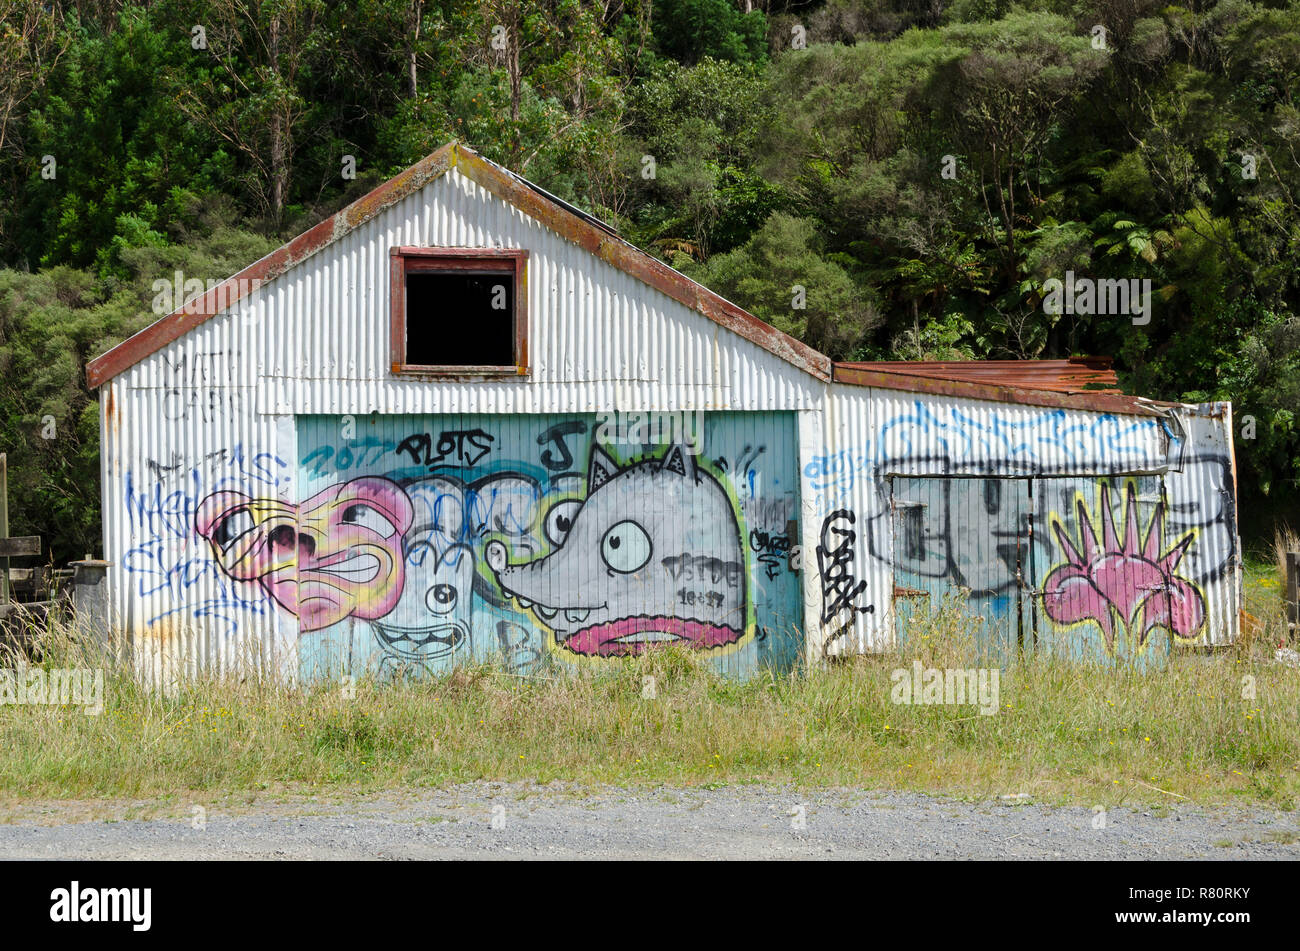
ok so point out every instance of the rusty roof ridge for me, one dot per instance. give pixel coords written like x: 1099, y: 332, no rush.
x: 567, y: 206
x: 1066, y: 375
x: 620, y: 253
x: 319, y: 236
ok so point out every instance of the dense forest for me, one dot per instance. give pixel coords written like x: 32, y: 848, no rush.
x: 923, y: 168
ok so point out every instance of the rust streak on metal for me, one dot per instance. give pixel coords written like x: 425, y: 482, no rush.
x: 110, y: 417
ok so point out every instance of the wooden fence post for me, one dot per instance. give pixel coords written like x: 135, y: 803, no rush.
x: 90, y: 601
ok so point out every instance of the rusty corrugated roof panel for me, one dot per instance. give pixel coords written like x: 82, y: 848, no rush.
x: 1101, y: 401
x: 1077, y: 374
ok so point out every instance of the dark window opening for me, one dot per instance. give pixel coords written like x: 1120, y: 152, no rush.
x: 914, y: 532
x: 463, y: 320
x: 459, y: 312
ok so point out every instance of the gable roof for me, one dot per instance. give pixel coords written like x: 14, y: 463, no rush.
x: 570, y: 223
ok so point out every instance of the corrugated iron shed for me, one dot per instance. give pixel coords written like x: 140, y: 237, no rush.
x: 275, y: 494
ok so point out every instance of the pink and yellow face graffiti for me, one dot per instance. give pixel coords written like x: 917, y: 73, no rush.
x: 339, y: 554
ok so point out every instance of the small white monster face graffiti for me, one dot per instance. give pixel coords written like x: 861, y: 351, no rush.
x: 652, y: 556
x: 432, y: 619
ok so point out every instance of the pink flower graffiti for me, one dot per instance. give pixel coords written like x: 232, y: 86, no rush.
x: 1129, y: 584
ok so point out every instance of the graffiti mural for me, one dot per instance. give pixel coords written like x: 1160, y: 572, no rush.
x: 1043, y: 564
x: 1125, y: 586
x: 337, y: 555
x: 171, y: 568
x: 652, y: 555
x: 841, y: 591
x: 432, y: 619
x: 929, y: 439
x: 427, y: 542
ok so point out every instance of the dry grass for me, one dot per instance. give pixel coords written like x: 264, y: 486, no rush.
x: 1284, y: 540
x: 1063, y: 731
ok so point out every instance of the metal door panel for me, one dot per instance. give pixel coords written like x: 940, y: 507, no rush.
x: 962, y: 534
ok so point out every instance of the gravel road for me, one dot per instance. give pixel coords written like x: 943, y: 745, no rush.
x: 744, y: 822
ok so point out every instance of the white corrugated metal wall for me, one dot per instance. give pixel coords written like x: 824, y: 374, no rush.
x: 599, y: 338
x: 1201, y: 488
x: 871, y: 435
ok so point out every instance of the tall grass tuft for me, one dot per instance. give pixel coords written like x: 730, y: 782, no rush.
x: 1284, y: 541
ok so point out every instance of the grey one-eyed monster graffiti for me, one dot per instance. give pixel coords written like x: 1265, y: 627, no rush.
x: 653, y: 555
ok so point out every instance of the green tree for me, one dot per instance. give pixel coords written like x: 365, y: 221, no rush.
x: 782, y: 275
x: 124, y: 158
x: 689, y: 30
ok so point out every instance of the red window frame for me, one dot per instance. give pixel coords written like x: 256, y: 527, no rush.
x: 407, y: 260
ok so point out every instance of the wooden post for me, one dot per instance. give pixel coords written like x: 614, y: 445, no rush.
x: 90, y: 601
